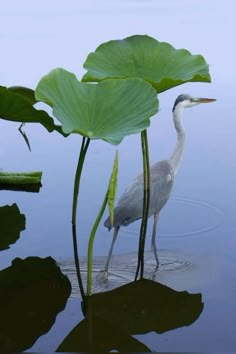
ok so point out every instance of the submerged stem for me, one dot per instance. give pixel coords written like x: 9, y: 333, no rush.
x: 90, y: 244
x: 83, y: 150
x: 146, y: 198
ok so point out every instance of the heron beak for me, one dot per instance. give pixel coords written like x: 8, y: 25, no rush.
x: 204, y: 100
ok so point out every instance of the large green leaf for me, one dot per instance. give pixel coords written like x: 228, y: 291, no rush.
x: 16, y: 104
x: 142, y: 56
x: 109, y: 110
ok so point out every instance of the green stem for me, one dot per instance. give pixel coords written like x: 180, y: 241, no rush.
x: 90, y: 244
x: 146, y: 199
x: 83, y: 150
x: 77, y: 264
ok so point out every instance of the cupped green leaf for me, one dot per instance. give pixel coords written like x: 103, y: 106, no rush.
x: 142, y: 56
x: 109, y: 110
x: 16, y: 104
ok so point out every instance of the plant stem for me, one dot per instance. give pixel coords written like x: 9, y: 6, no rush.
x: 146, y: 198
x: 90, y: 244
x: 77, y: 264
x: 83, y: 150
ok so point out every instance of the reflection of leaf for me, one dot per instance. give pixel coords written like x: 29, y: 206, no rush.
x: 12, y: 222
x: 106, y: 337
x: 109, y: 110
x: 33, y: 188
x: 32, y: 292
x: 135, y: 308
x: 143, y: 56
x: 16, y: 106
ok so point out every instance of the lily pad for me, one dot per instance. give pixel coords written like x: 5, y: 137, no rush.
x: 16, y: 104
x: 142, y: 56
x: 109, y: 110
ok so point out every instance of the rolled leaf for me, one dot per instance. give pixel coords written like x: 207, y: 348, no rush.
x: 112, y: 188
x: 141, y: 56
x: 20, y: 178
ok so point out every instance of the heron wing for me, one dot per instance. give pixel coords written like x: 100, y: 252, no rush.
x: 130, y: 204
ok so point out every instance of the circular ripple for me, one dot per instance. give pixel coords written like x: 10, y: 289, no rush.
x: 202, y: 217
x: 122, y: 270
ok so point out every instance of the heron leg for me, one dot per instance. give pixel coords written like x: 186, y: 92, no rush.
x: 115, y: 233
x: 154, y: 231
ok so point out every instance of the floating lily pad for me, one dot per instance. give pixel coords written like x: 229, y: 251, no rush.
x: 142, y: 56
x: 109, y: 110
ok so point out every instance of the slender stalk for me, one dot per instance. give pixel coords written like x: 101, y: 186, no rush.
x: 83, y: 150
x: 90, y: 244
x: 77, y: 264
x: 146, y: 198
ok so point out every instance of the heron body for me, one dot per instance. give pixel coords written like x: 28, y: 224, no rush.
x: 162, y: 174
x: 130, y: 205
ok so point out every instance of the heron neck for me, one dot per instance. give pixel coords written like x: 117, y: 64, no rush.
x: 177, y: 154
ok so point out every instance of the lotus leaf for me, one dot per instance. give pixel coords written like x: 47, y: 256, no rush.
x: 109, y: 110
x: 141, y: 56
x: 16, y: 104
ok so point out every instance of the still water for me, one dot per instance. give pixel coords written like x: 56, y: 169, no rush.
x: 196, y: 230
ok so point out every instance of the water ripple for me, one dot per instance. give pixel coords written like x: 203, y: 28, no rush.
x: 204, y: 216
x: 175, y: 270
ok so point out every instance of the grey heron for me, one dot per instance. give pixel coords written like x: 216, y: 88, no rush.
x: 162, y: 175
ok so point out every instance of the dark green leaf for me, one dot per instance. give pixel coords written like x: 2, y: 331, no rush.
x: 17, y: 107
x: 25, y: 92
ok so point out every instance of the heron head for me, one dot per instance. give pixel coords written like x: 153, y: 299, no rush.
x: 186, y: 101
